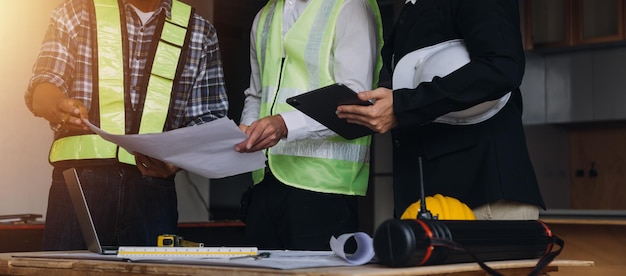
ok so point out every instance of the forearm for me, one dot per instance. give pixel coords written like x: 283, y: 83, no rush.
x: 45, y: 97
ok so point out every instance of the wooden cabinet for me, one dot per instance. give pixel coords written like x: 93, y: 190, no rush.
x: 547, y: 23
x: 566, y: 23
x: 597, y: 21
x: 597, y: 166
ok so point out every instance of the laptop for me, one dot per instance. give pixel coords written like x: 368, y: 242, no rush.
x: 84, y: 215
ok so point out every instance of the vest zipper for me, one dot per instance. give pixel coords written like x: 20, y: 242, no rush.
x: 280, y: 78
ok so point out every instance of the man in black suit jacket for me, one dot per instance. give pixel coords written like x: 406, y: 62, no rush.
x: 484, y: 164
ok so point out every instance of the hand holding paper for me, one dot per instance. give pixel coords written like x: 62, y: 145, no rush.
x: 205, y: 149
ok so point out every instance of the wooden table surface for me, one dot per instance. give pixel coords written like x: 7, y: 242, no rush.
x: 13, y: 264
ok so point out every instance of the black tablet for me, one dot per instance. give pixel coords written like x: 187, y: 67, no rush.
x: 321, y: 105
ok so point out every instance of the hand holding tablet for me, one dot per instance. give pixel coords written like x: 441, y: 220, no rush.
x: 321, y: 105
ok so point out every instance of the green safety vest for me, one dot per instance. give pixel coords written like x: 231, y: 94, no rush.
x: 332, y: 165
x: 109, y: 34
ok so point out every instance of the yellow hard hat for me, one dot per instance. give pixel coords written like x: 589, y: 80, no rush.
x: 444, y: 207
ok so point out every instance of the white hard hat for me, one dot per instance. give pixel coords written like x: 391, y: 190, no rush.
x: 440, y: 60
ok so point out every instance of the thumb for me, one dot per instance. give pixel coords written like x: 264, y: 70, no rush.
x: 366, y: 95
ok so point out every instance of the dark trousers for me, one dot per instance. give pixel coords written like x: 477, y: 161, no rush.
x: 127, y: 208
x: 283, y: 217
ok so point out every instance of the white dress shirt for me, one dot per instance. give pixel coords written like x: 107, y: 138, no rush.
x: 355, y: 52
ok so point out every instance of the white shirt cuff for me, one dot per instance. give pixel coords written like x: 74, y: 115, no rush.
x: 296, y: 125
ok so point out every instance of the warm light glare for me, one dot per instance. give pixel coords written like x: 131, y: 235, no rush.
x: 22, y: 27
x: 21, y: 21
x: 24, y: 139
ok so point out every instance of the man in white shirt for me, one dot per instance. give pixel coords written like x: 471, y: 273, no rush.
x: 308, y: 191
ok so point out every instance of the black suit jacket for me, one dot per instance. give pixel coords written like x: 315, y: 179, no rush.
x: 478, y: 163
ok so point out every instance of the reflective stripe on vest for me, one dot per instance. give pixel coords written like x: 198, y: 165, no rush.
x: 111, y: 84
x: 332, y: 165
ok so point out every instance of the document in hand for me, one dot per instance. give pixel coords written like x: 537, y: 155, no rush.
x: 206, y: 149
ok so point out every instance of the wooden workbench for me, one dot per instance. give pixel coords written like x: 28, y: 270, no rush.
x: 602, y: 241
x: 13, y: 264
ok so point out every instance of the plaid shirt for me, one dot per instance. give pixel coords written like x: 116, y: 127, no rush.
x: 65, y: 60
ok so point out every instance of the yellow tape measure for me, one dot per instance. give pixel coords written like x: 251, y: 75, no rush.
x: 168, y: 240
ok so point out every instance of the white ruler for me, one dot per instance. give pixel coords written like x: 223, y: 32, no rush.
x: 148, y: 252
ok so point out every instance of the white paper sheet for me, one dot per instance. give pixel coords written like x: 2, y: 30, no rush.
x: 364, y: 251
x: 206, y: 149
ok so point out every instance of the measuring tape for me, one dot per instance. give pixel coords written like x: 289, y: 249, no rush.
x: 170, y: 240
x: 150, y: 252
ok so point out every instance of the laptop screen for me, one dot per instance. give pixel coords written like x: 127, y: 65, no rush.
x: 83, y: 214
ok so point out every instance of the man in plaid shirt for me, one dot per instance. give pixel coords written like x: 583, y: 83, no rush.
x: 128, y: 66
